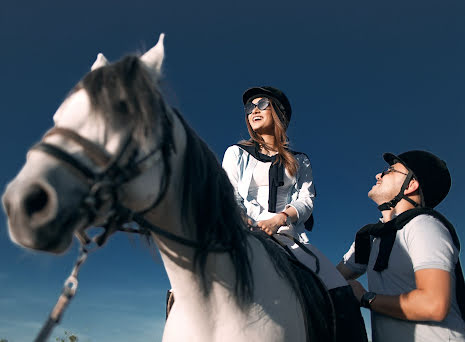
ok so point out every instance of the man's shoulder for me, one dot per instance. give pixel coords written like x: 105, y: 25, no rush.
x: 426, y: 223
x: 422, y: 217
x: 426, y: 230
x: 425, y: 219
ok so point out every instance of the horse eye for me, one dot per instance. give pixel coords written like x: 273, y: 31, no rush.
x: 122, y: 106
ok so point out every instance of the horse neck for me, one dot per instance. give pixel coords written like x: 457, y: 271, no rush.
x: 178, y: 260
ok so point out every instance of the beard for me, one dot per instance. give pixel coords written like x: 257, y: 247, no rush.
x: 377, y: 195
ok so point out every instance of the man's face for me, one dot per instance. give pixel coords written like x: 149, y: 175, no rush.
x: 389, y: 185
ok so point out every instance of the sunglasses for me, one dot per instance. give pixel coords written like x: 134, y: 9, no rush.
x: 391, y: 169
x: 262, y: 104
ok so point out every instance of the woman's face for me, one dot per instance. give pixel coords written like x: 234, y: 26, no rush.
x: 261, y: 120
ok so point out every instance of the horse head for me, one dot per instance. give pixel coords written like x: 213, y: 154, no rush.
x: 112, y: 143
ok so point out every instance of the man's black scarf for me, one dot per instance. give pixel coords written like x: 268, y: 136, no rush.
x: 387, y: 233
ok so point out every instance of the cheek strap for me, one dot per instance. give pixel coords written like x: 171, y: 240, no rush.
x: 392, y: 203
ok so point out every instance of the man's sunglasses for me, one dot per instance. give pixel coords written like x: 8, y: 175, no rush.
x: 391, y: 169
x: 262, y: 104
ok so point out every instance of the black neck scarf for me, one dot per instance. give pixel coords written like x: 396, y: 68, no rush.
x: 387, y: 232
x: 276, y: 173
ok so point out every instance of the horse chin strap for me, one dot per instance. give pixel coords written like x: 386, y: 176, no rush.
x: 392, y: 203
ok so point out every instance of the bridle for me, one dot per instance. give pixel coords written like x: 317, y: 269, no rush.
x: 102, y: 197
x: 104, y: 184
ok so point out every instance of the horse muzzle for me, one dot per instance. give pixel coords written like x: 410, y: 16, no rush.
x: 32, y: 208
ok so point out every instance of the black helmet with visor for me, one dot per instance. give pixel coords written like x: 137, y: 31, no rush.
x: 430, y: 171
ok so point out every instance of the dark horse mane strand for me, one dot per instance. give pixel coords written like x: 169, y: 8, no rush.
x: 210, y: 205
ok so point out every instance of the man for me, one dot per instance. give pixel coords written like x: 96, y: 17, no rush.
x: 416, y: 285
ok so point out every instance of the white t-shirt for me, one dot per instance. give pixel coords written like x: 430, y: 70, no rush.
x: 423, y: 243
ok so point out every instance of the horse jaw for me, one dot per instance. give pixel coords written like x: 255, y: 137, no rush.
x: 153, y: 59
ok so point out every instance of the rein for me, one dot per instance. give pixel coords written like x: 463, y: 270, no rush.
x: 301, y: 245
x: 68, y: 292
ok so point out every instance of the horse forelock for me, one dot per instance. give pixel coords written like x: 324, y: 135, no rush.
x: 126, y: 95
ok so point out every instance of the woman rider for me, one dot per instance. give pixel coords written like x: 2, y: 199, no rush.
x: 274, y: 187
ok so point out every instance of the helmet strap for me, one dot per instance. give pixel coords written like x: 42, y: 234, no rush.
x: 392, y: 203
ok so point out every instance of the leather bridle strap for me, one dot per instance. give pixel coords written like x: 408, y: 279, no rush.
x: 93, y: 151
x: 140, y: 220
x: 61, y: 155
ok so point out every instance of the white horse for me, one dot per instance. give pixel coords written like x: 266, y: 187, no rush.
x: 118, y: 153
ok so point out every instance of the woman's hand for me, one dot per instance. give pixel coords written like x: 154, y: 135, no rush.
x: 272, y: 225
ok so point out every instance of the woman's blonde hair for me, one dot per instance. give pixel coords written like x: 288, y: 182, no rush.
x: 282, y: 141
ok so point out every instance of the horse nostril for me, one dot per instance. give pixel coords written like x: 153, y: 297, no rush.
x: 35, y: 200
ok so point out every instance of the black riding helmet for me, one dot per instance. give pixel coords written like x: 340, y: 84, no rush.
x: 430, y: 171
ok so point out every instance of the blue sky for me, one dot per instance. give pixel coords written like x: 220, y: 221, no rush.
x: 364, y: 77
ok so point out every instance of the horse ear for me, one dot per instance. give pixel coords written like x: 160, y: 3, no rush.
x: 99, y: 62
x: 153, y: 58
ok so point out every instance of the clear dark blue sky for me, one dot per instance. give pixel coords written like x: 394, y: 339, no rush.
x: 364, y: 77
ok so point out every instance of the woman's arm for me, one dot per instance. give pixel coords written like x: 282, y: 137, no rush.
x: 303, y: 204
x: 231, y: 166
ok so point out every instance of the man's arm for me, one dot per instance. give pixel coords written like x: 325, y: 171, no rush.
x: 346, y: 272
x: 430, y: 301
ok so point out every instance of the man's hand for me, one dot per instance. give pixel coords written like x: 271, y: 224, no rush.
x: 357, y: 288
x: 272, y: 225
